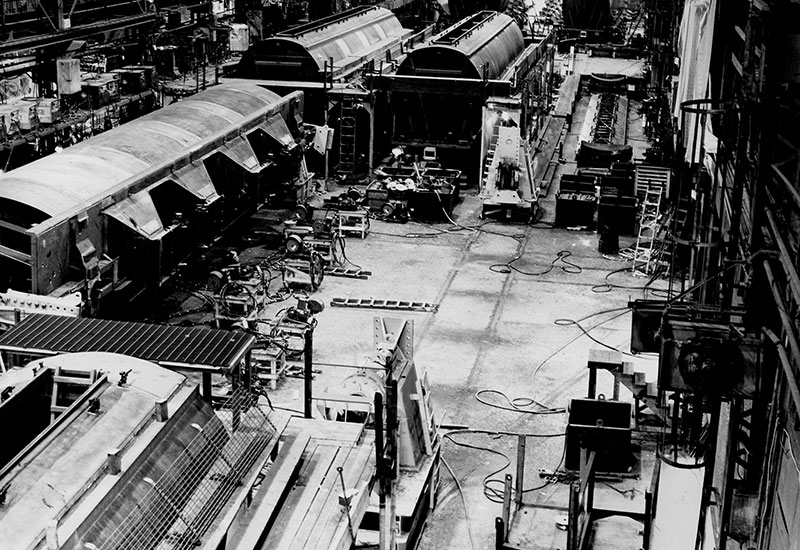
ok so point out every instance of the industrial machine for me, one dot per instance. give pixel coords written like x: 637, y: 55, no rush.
x: 710, y: 359
x: 313, y: 229
x: 507, y: 173
x: 303, y: 270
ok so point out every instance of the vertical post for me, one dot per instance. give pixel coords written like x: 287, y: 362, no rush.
x: 162, y: 413
x: 730, y: 474
x: 309, y: 370
x: 506, y: 505
x: 51, y: 535
x: 380, y: 467
x: 520, y: 468
x: 379, y: 464
x: 60, y: 16
x: 676, y: 415
x: 648, y: 519
x: 592, y: 382
x: 327, y: 112
x: 114, y: 462
x: 499, y: 534
x: 207, y: 387
x: 371, y: 152
x: 391, y: 426
x: 573, y: 527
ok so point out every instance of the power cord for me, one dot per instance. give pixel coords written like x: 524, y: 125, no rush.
x: 518, y: 404
x: 572, y: 322
x: 568, y: 267
x: 622, y: 311
x: 463, y: 502
x: 607, y: 286
x: 492, y: 494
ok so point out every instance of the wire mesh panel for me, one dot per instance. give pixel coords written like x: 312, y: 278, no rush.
x: 174, y: 510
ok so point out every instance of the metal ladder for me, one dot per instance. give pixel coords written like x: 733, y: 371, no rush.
x: 647, y: 246
x: 347, y: 136
x: 384, y: 304
x: 348, y: 273
x: 69, y: 378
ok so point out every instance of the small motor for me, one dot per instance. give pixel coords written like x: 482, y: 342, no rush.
x: 305, y: 309
x: 395, y: 210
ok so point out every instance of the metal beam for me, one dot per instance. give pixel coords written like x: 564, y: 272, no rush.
x: 75, y: 33
x: 448, y: 86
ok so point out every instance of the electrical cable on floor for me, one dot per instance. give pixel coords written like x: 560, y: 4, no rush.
x: 571, y: 322
x: 492, y: 494
x: 623, y: 311
x: 518, y: 404
x: 568, y: 267
x: 607, y: 286
x: 463, y: 502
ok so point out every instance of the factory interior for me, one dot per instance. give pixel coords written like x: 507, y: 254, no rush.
x: 400, y: 274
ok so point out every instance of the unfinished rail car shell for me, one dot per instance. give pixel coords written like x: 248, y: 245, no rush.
x: 114, y: 215
x: 337, y: 45
x: 436, y: 97
x: 480, y: 47
x: 459, y: 9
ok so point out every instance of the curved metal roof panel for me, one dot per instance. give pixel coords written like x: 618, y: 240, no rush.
x: 487, y: 41
x: 59, y: 183
x: 351, y: 35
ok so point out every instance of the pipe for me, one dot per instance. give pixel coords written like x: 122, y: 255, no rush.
x: 794, y: 193
x: 788, y: 327
x: 786, y: 363
x: 791, y: 272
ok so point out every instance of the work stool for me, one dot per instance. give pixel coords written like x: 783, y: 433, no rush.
x: 356, y: 221
x: 269, y: 365
x: 606, y: 359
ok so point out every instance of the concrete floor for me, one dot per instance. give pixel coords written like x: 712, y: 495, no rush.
x: 492, y: 331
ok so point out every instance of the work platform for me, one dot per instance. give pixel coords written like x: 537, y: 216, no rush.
x: 322, y: 473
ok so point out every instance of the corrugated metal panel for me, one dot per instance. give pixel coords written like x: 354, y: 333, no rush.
x: 487, y: 40
x: 57, y: 184
x: 191, y: 348
x: 195, y: 179
x: 139, y: 213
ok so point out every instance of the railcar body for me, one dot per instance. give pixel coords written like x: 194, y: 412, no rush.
x: 114, y: 215
x: 436, y: 98
x: 479, y: 46
x: 337, y: 45
x: 458, y: 9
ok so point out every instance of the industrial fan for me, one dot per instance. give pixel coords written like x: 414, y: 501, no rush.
x: 709, y: 359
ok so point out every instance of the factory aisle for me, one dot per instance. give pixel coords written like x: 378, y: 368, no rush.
x: 503, y: 330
